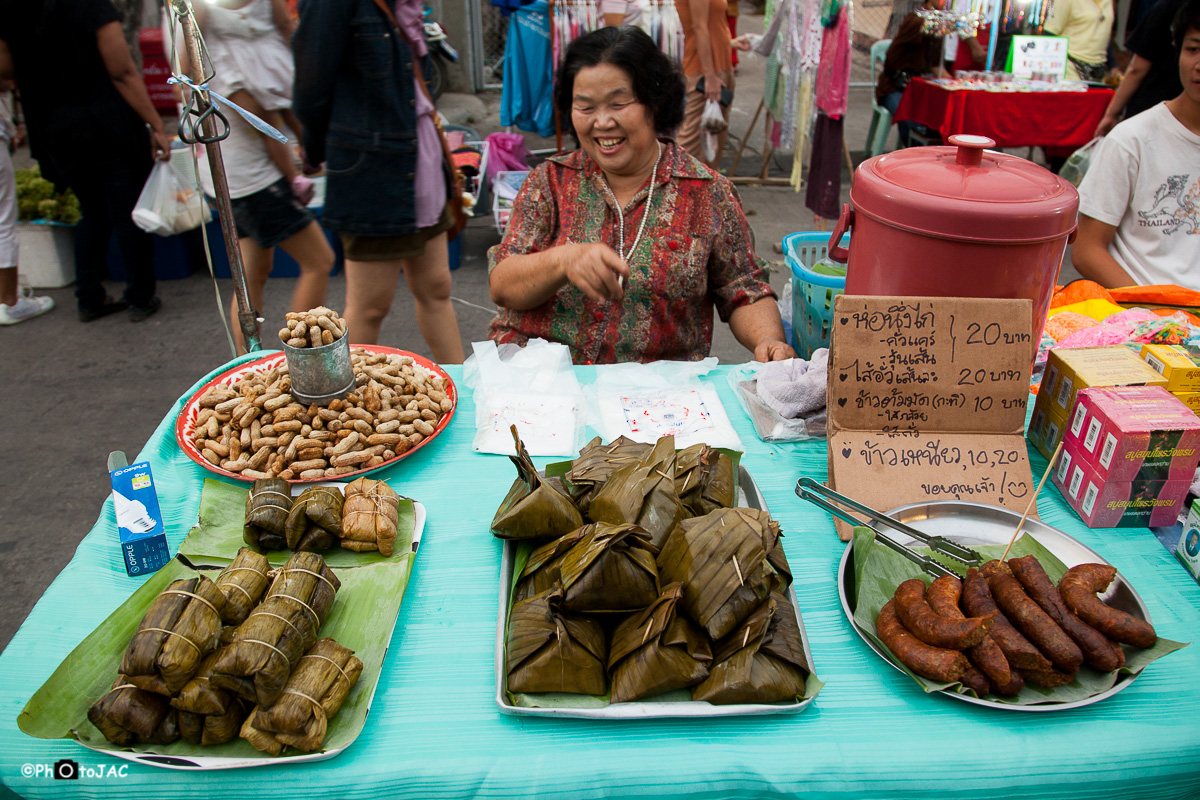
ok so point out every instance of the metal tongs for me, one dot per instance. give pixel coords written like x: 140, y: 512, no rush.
x: 817, y: 494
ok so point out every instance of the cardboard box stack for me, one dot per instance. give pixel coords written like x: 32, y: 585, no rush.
x: 1128, y: 457
x: 1181, y: 367
x: 1070, y: 370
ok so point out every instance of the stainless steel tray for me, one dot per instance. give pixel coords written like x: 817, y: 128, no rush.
x: 981, y: 524
x: 749, y: 497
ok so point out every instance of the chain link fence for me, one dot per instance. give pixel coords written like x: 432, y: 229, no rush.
x: 494, y: 28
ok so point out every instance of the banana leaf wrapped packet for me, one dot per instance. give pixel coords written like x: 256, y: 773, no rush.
x: 313, y: 695
x: 704, y: 480
x: 243, y: 583
x: 760, y: 662
x: 212, y: 729
x: 543, y: 568
x: 267, y: 507
x: 643, y: 494
x: 535, y: 507
x: 610, y: 568
x: 657, y: 650
x: 265, y: 648
x: 728, y: 561
x: 596, y: 463
x: 181, y: 627
x: 549, y: 650
x: 128, y: 715
x: 369, y: 516
x: 208, y: 715
x: 315, y: 521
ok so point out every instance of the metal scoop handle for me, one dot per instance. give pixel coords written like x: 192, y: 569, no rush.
x: 812, y: 491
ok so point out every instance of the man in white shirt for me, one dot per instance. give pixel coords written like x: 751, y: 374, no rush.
x: 1140, y: 200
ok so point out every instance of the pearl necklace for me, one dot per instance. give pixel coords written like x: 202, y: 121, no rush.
x: 626, y: 255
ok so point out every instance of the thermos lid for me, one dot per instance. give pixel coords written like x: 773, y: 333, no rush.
x: 965, y: 191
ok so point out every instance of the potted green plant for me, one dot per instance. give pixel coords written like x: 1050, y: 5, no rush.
x: 46, y: 230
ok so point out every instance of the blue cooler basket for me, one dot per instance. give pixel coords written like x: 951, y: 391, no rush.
x: 812, y: 293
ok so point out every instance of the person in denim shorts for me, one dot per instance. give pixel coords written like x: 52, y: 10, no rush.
x: 367, y: 119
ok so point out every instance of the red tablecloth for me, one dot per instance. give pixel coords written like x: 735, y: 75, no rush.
x: 1012, y: 119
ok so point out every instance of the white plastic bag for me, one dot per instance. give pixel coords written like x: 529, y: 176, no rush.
x: 167, y: 205
x: 712, y: 119
x: 1079, y: 161
x: 534, y: 388
x: 646, y: 401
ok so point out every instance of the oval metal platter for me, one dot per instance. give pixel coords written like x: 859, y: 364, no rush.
x: 981, y: 524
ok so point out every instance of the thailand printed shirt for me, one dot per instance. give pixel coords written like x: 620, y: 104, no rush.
x: 697, y: 252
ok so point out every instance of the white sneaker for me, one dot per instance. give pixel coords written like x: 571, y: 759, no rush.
x: 26, y: 307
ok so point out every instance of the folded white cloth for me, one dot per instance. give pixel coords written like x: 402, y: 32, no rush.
x: 795, y: 387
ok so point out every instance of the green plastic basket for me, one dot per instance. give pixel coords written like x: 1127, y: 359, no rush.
x: 812, y: 292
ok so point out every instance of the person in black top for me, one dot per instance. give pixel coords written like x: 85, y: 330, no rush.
x: 1153, y: 72
x: 911, y: 53
x: 87, y: 112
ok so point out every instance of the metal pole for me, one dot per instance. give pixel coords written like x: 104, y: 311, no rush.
x: 248, y: 319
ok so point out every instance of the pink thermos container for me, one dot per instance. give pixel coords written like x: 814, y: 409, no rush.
x: 957, y: 221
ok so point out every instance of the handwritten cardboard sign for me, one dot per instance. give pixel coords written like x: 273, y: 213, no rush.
x: 927, y: 401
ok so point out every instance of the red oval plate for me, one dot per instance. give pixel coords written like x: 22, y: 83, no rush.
x: 185, y: 423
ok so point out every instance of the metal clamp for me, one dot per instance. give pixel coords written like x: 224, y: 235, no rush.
x: 819, y: 495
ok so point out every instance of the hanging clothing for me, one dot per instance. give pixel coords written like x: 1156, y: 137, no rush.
x: 527, y: 99
x: 833, y: 72
x: 507, y: 7
x: 824, y: 193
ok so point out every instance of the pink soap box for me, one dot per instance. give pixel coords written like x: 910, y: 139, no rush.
x: 1134, y: 433
x: 1107, y: 503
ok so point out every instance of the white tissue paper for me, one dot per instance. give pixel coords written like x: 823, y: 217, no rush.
x: 533, y: 388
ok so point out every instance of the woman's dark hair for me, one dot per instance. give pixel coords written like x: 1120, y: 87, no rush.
x: 657, y: 81
x: 1186, y: 19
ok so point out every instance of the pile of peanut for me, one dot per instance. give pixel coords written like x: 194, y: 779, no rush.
x: 314, y: 328
x: 255, y: 428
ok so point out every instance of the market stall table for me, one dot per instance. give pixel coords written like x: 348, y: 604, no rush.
x: 434, y: 729
x: 1012, y: 119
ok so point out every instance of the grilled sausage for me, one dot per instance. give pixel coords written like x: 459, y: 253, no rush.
x: 977, y: 601
x: 1047, y: 678
x: 976, y: 681
x: 932, y: 628
x: 943, y: 596
x: 1098, y: 651
x: 1079, y: 587
x: 934, y: 663
x: 1030, y: 619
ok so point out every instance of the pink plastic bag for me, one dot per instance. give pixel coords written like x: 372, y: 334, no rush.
x: 506, y: 152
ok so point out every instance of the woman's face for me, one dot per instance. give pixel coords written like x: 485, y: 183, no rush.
x: 613, y: 127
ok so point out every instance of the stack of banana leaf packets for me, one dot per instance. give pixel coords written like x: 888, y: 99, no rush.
x: 633, y: 580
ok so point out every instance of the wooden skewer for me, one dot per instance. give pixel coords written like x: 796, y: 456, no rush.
x: 1033, y: 500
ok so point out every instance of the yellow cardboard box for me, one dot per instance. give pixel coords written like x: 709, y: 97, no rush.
x: 1069, y: 370
x: 1180, y: 366
x: 1046, y: 429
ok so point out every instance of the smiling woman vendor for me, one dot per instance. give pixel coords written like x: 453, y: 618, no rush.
x: 621, y: 249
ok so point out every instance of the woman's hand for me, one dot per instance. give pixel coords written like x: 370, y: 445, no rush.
x: 713, y: 86
x: 773, y: 350
x: 1107, y: 123
x: 160, y: 145
x: 595, y: 269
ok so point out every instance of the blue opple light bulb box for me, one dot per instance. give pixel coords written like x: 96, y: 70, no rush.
x: 139, y: 520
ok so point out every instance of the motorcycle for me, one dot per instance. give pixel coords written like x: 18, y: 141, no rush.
x: 440, y: 53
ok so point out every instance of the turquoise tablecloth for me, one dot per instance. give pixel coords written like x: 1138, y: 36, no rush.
x: 434, y: 729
